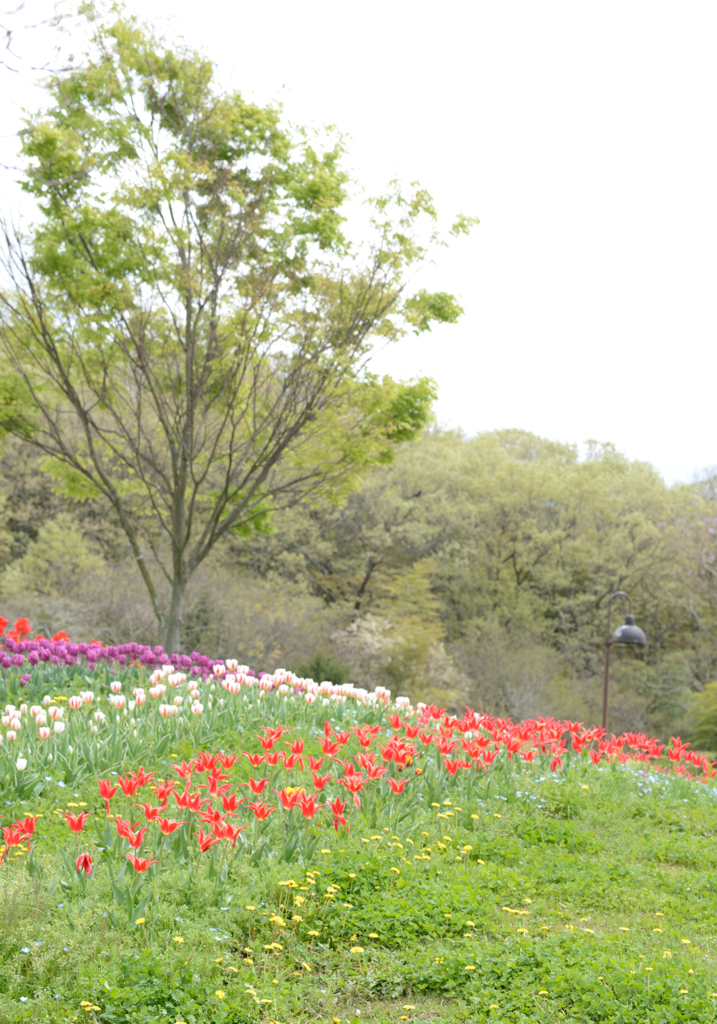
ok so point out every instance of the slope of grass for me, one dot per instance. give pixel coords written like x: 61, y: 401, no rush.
x: 511, y: 894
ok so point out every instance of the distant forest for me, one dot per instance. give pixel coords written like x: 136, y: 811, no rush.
x: 470, y: 571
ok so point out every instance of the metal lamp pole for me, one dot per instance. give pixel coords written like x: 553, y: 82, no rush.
x: 627, y: 634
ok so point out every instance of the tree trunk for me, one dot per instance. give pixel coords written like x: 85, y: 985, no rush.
x: 172, y: 628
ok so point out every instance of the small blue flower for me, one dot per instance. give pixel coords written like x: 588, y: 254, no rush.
x: 23, y: 999
x: 60, y: 904
x: 38, y: 943
x: 65, y: 949
x: 24, y: 949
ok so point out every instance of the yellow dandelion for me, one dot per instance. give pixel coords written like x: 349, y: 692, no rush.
x: 219, y: 994
x: 178, y: 938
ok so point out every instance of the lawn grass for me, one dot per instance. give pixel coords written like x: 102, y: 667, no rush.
x: 515, y: 894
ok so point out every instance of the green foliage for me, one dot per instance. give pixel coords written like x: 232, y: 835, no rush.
x: 424, y: 308
x: 501, y: 906
x: 324, y: 666
x: 188, y: 325
x: 704, y: 714
x: 517, y: 544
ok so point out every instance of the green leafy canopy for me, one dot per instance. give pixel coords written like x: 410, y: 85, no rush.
x: 189, y: 324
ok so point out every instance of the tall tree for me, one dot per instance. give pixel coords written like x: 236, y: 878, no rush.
x: 188, y: 326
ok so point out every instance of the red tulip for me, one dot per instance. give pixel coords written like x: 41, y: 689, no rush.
x: 290, y: 760
x: 288, y: 800
x: 375, y: 771
x: 76, y: 821
x: 308, y: 805
x: 185, y: 770
x: 130, y: 784
x: 213, y: 780
x: 364, y: 737
x: 261, y: 811
x: 13, y: 835
x: 230, y: 832
x: 205, y: 842
x: 207, y: 762
x: 315, y: 763
x: 211, y: 815
x: 257, y: 786
x: 164, y: 789
x: 397, y: 787
x: 27, y: 827
x: 321, y: 780
x: 192, y: 801
x: 338, y: 806
x: 125, y: 828
x: 168, y: 825
x: 139, y: 863
x: 84, y: 863
x: 297, y: 747
x: 152, y: 813
x: 228, y: 760
x: 135, y: 839
x: 254, y: 759
x: 354, y: 784
x: 230, y: 802
x: 107, y: 791
x: 143, y: 779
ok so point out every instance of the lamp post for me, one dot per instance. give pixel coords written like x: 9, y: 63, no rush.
x: 627, y: 634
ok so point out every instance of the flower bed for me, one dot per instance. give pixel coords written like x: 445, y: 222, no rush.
x: 294, y: 822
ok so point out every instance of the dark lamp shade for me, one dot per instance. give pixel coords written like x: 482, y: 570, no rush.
x: 629, y: 633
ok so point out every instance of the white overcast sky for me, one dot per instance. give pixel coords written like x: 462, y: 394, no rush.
x: 582, y: 134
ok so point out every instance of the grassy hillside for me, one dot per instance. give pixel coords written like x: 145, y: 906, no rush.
x: 501, y: 891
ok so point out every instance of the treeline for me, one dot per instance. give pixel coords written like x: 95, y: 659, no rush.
x: 468, y: 571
